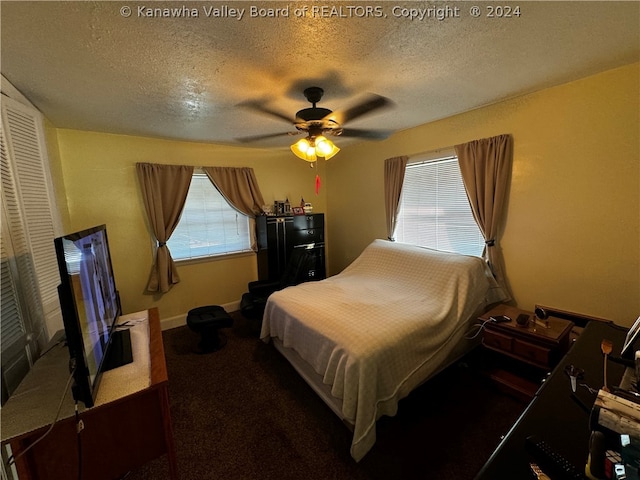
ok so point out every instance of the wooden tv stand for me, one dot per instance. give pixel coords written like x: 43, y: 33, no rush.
x: 129, y: 426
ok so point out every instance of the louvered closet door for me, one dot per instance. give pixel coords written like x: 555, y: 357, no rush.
x: 30, y: 213
x: 16, y: 359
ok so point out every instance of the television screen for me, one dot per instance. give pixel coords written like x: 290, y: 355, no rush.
x: 89, y: 302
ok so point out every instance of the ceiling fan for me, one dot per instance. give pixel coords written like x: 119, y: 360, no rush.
x: 317, y: 122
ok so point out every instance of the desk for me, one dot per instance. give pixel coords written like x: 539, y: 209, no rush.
x: 127, y: 428
x: 553, y: 415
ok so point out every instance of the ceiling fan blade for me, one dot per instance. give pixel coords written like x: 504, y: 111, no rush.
x: 371, y: 134
x: 259, y: 107
x: 368, y: 105
x: 255, y: 138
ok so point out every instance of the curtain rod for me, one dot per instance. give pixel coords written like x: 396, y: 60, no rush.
x: 433, y: 154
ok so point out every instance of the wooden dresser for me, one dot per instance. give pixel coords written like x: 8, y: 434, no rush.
x: 121, y: 433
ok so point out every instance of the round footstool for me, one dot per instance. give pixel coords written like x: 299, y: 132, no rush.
x: 207, y: 321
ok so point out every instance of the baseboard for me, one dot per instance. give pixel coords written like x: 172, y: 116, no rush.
x: 181, y: 320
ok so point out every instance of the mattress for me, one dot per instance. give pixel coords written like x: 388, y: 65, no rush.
x: 379, y: 328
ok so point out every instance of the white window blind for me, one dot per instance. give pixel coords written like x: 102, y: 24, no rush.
x: 435, y: 211
x: 209, y: 226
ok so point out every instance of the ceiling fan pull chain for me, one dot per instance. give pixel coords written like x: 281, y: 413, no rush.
x: 318, y: 181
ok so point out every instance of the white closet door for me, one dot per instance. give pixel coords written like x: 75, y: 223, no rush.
x: 31, y: 219
x: 15, y: 351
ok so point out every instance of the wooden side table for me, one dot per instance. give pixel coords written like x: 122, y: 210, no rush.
x: 535, y: 346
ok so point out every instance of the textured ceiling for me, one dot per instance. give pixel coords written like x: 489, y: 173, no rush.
x: 109, y: 66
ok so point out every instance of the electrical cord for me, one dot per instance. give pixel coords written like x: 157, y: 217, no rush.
x: 12, y: 459
x: 59, y: 342
x: 479, y: 326
x: 590, y: 389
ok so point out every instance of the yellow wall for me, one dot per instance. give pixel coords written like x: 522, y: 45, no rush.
x: 100, y: 186
x: 572, y: 233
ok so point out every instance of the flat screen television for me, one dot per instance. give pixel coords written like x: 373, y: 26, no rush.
x: 90, y: 309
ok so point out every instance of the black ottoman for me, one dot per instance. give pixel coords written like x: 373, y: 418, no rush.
x: 206, y: 321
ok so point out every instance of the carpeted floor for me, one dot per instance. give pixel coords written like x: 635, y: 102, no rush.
x: 244, y: 413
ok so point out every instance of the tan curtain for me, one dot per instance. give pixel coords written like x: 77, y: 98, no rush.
x: 164, y: 191
x: 239, y: 186
x: 394, y: 169
x: 485, y: 166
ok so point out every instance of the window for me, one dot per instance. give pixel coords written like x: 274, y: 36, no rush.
x: 435, y: 211
x: 209, y: 226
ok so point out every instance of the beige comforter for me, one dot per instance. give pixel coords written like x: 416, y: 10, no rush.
x: 378, y: 329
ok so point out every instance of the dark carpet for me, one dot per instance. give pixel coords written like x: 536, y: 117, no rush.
x: 244, y: 413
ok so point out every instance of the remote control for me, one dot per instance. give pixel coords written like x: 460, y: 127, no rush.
x: 550, y: 461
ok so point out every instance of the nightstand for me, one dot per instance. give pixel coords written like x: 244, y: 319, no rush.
x: 525, y: 354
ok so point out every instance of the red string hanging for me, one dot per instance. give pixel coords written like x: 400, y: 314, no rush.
x: 318, y: 183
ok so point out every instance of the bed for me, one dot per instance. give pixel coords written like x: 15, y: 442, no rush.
x: 365, y: 338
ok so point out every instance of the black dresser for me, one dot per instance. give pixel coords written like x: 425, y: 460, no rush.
x: 280, y: 236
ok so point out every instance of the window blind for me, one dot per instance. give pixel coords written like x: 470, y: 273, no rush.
x: 435, y: 211
x: 209, y: 226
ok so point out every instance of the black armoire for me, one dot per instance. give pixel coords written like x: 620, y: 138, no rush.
x: 278, y: 239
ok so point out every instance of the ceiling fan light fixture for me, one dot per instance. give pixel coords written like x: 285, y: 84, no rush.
x: 325, y: 148
x: 305, y: 150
